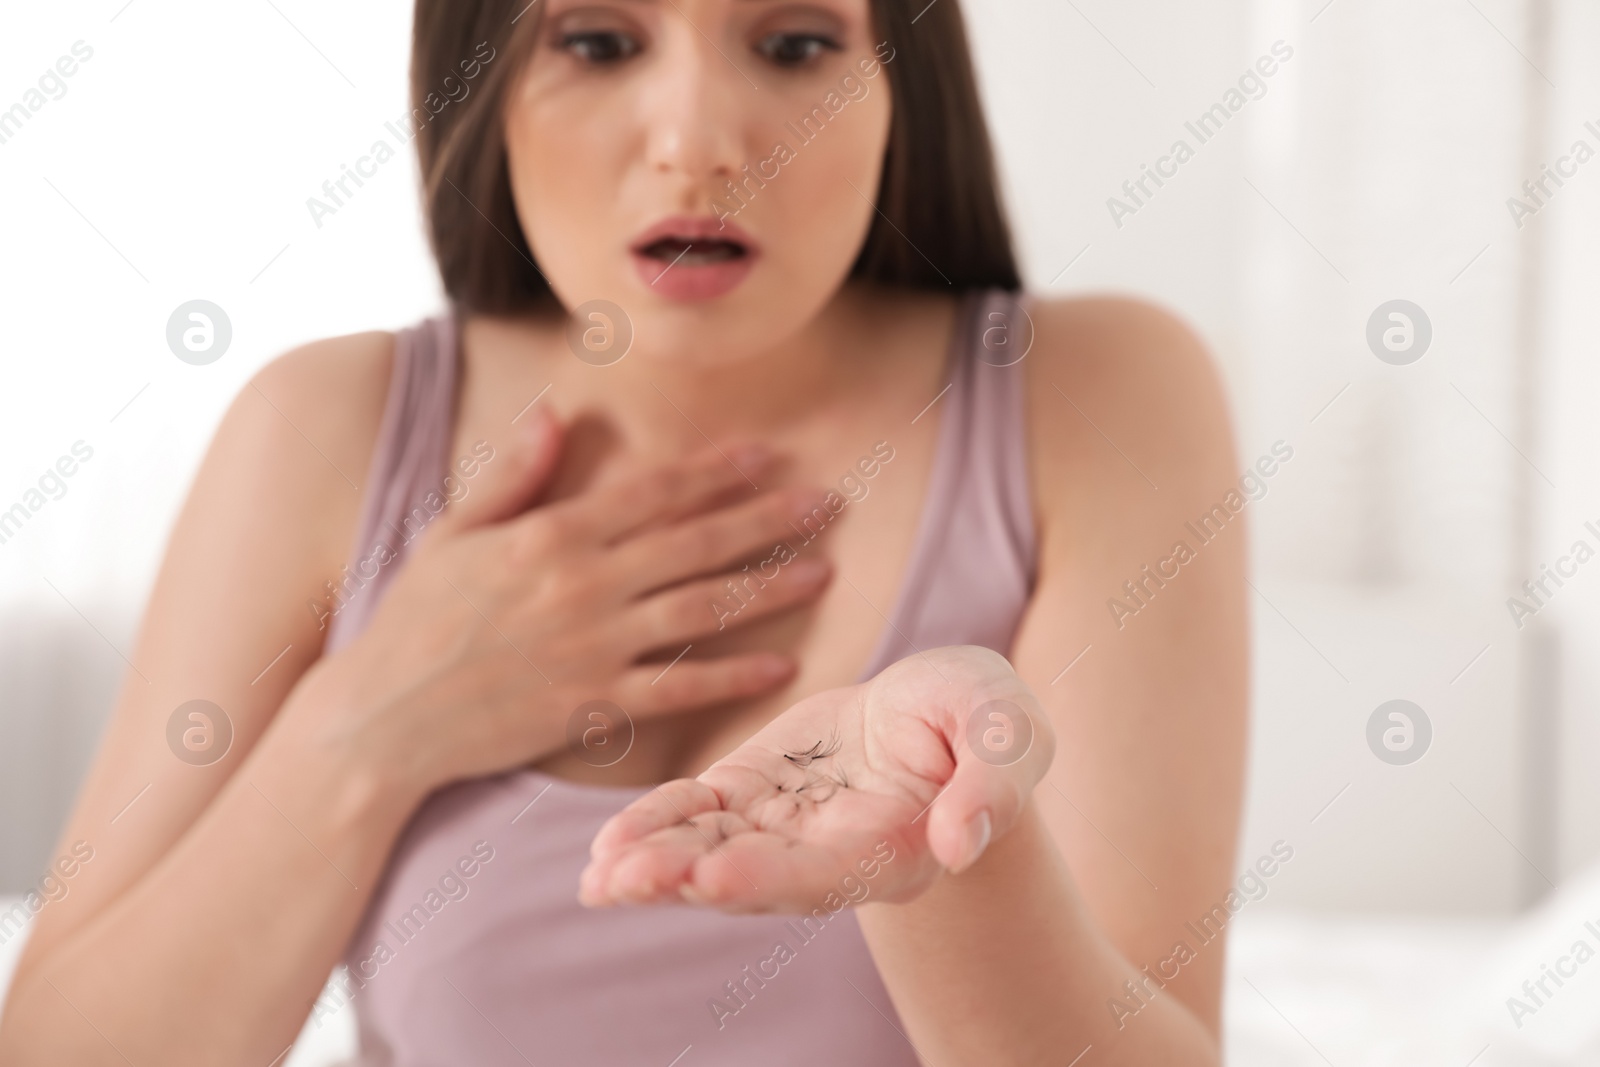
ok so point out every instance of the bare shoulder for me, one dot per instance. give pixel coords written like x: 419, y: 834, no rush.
x: 267, y: 520
x: 331, y: 391
x: 1126, y: 407
x: 297, y: 441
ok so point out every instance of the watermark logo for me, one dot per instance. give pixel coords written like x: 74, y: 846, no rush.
x: 1004, y: 341
x: 599, y: 733
x: 199, y: 332
x: 199, y: 733
x: 1399, y: 332
x: 599, y: 333
x: 1399, y: 732
x: 999, y: 733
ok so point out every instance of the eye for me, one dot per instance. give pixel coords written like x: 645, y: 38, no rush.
x: 795, y: 49
x: 599, y: 46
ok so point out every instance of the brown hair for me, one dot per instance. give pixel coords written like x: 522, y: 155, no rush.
x: 939, y: 222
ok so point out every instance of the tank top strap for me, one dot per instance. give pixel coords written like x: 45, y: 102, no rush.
x: 405, y: 481
x: 998, y: 421
x: 973, y: 559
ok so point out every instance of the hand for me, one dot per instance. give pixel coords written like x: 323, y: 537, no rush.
x: 806, y: 804
x: 506, y: 617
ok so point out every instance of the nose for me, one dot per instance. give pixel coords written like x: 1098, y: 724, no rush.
x: 694, y: 101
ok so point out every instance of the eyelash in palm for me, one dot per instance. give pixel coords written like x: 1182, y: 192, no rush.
x: 819, y: 751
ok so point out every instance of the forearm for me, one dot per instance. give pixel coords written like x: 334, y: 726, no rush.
x: 218, y: 953
x: 1004, y: 965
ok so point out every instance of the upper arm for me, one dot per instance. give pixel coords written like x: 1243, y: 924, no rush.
x: 1130, y: 445
x: 265, y: 523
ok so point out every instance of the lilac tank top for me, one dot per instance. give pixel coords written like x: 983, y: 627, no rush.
x: 474, y: 949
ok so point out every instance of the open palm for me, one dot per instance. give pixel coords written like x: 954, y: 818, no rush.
x: 881, y: 785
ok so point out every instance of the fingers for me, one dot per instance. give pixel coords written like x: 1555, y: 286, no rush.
x: 708, y: 606
x: 767, y: 526
x: 652, y: 689
x: 513, y: 478
x: 663, y: 493
x: 666, y: 805
x: 682, y: 819
x: 711, y: 857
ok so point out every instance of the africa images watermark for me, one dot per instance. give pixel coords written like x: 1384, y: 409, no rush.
x: 337, y: 597
x: 851, y: 890
x: 1566, y: 966
x: 811, y: 126
x: 853, y: 487
x: 1252, y: 85
x: 52, y: 485
x: 1252, y: 486
x: 1538, y: 589
x: 452, y: 886
x: 52, y: 81
x: 1532, y: 202
x: 52, y: 888
x: 1251, y: 887
x: 454, y: 90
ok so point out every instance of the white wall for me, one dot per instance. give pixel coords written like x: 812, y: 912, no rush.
x: 1375, y: 166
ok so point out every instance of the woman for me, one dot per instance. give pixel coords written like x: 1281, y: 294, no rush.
x: 740, y: 445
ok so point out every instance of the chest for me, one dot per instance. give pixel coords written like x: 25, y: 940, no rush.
x: 874, y: 459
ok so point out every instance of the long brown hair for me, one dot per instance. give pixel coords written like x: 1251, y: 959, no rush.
x: 939, y: 222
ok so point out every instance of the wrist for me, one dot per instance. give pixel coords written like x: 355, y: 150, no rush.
x: 320, y: 747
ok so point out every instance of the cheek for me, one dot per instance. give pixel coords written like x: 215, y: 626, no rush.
x: 820, y: 205
x: 565, y: 197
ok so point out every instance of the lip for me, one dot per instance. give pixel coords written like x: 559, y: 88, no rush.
x: 679, y: 281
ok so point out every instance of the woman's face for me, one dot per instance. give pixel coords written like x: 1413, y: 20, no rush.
x: 709, y: 166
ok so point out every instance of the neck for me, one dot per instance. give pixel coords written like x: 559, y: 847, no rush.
x: 670, y: 404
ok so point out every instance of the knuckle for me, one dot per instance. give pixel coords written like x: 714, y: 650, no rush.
x: 666, y: 483
x: 538, y: 536
x: 652, y: 620
x: 667, y: 616
x: 682, y: 688
x: 568, y: 584
x: 702, y: 541
x: 559, y: 526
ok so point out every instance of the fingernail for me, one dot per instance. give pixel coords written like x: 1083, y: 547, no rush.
x: 978, y: 833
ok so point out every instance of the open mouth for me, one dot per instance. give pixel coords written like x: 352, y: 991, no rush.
x: 693, y: 252
x: 694, y: 257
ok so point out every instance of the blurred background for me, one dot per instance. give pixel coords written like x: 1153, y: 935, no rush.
x: 1384, y: 159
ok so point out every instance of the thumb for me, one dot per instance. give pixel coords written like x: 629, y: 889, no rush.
x: 1003, y: 752
x: 513, y: 475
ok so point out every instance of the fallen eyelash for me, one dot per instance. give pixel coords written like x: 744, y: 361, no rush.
x: 817, y: 751
x: 831, y: 784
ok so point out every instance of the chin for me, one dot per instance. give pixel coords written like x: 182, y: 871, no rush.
x: 707, y: 335
x: 751, y: 319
